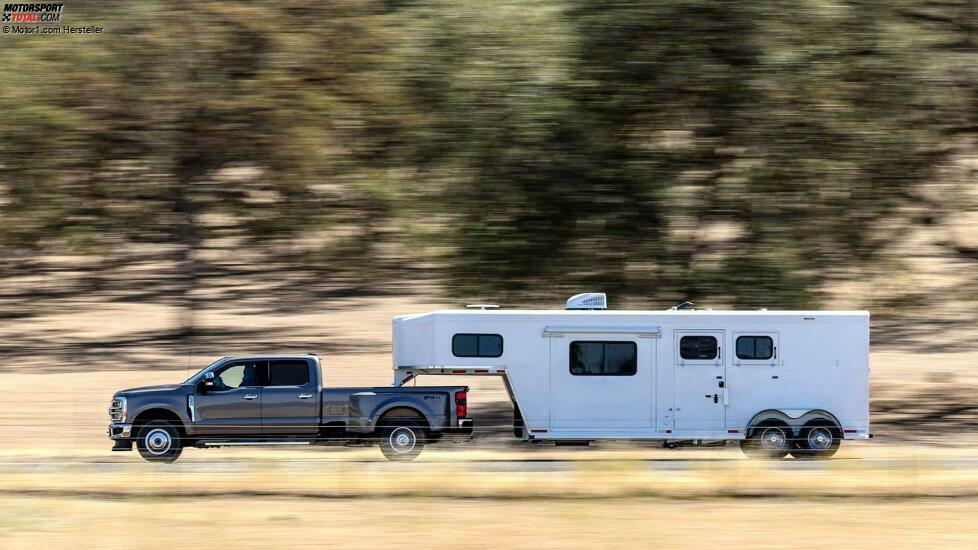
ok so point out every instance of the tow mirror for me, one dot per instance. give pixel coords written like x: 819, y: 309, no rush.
x: 208, y: 382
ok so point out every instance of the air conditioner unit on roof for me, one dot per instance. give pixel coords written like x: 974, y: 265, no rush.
x: 588, y: 300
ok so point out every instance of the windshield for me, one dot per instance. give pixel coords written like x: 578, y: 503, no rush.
x: 196, y: 374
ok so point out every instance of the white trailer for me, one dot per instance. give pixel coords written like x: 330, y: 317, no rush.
x: 778, y: 381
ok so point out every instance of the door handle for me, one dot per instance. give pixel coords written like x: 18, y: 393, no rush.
x: 305, y: 395
x: 250, y: 396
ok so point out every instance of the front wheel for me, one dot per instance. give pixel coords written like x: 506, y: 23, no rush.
x: 159, y: 441
x: 402, y: 441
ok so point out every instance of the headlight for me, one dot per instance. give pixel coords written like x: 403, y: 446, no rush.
x: 118, y: 409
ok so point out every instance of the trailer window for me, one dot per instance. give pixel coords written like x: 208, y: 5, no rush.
x: 477, y: 345
x: 603, y: 358
x: 698, y: 347
x: 755, y: 347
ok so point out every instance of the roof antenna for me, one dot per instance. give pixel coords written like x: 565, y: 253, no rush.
x: 190, y: 354
x: 684, y: 305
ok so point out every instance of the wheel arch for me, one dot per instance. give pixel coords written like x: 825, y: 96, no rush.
x: 401, y: 410
x: 159, y: 413
x: 795, y: 419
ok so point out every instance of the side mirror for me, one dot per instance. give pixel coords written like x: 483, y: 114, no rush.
x: 207, y: 383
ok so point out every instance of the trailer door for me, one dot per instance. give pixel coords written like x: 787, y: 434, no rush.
x: 700, y: 379
x: 601, y: 381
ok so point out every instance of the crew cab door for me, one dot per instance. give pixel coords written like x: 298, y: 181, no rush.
x: 290, y: 398
x: 233, y: 405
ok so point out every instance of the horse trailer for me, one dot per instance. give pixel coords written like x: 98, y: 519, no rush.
x: 778, y: 382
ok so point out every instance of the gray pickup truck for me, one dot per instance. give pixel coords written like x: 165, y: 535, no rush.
x: 280, y: 400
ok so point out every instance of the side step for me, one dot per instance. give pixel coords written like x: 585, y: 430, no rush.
x: 249, y: 443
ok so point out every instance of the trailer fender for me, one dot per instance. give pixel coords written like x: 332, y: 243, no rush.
x: 794, y: 418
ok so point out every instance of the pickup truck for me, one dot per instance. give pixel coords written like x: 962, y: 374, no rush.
x: 280, y: 400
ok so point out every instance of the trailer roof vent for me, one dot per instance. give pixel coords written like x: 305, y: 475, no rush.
x: 588, y: 300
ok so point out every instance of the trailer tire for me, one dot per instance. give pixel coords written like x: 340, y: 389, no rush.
x: 159, y: 441
x: 817, y: 440
x: 770, y: 441
x: 402, y: 440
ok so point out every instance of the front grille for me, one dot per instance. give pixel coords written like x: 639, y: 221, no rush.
x: 117, y: 410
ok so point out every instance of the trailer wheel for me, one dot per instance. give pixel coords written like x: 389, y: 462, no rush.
x: 771, y: 441
x: 159, y: 441
x: 819, y: 439
x: 402, y: 441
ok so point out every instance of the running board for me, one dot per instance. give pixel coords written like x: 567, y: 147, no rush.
x: 242, y: 443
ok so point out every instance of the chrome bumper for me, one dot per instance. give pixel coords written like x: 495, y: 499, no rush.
x: 120, y: 431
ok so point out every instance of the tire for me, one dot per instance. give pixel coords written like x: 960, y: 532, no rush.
x: 768, y: 442
x: 818, y: 440
x: 159, y: 441
x: 402, y: 440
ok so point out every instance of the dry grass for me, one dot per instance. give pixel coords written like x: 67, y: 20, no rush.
x: 458, y: 523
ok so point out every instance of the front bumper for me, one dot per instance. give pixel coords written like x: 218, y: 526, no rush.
x: 120, y: 431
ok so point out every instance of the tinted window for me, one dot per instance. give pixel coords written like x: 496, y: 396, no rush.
x: 288, y: 373
x: 755, y: 347
x: 603, y: 358
x: 236, y: 376
x: 698, y: 347
x: 477, y: 345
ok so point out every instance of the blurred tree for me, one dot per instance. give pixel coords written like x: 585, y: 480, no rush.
x: 736, y: 151
x: 743, y: 153
x: 224, y: 126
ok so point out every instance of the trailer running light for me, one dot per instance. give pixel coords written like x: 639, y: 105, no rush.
x: 732, y: 431
x: 461, y: 404
x: 850, y: 431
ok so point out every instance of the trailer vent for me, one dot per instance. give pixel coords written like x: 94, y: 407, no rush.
x: 588, y: 300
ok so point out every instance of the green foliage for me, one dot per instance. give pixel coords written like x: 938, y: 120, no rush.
x: 739, y: 152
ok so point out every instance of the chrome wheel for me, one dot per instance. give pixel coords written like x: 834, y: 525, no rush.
x: 158, y: 441
x: 402, y: 440
x: 819, y: 438
x: 774, y: 438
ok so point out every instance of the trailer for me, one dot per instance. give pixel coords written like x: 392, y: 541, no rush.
x: 778, y: 382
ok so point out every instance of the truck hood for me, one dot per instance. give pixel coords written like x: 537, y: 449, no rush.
x: 146, y: 389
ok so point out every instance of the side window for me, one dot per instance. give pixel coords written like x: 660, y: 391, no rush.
x: 477, y: 345
x: 236, y: 376
x: 698, y: 348
x: 603, y: 358
x: 759, y: 348
x: 288, y: 373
